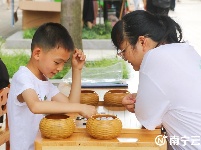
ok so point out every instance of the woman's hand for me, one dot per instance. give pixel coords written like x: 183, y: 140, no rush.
x: 78, y: 59
x: 129, y: 102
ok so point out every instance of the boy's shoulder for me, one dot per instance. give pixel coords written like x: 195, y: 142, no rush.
x: 22, y: 72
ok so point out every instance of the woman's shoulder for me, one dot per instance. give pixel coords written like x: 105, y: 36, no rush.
x: 164, y: 54
x: 173, y: 48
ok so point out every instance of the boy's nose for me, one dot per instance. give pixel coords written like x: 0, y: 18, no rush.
x: 60, y: 67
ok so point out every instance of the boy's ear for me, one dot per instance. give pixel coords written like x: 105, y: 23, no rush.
x: 36, y: 53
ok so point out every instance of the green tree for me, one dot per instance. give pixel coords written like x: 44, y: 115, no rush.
x: 71, y: 18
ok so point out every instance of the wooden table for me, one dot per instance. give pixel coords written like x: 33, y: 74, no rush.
x: 131, y: 137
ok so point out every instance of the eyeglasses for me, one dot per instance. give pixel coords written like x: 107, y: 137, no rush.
x: 121, y: 52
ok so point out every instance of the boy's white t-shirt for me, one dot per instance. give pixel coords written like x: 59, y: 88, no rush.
x: 169, y: 93
x: 23, y: 124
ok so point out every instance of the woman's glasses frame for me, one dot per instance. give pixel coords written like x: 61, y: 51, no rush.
x: 121, y: 52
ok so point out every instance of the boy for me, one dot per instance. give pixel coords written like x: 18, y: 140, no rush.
x: 32, y: 94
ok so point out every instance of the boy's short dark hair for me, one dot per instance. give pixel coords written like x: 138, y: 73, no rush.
x: 52, y: 35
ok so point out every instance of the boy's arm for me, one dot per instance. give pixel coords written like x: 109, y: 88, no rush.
x: 75, y: 91
x: 78, y: 60
x: 54, y: 107
x: 60, y: 97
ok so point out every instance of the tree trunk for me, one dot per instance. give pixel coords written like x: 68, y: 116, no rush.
x: 71, y: 18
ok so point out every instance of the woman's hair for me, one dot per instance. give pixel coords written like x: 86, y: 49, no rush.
x: 160, y: 28
x: 52, y: 35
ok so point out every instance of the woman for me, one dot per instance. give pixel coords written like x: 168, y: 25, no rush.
x: 169, y: 76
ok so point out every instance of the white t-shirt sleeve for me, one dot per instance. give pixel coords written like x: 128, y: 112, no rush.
x: 151, y: 103
x: 25, y: 81
x: 22, y: 82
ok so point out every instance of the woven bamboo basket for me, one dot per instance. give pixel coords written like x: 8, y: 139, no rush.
x: 89, y: 97
x: 57, y: 126
x: 104, y: 126
x: 114, y: 97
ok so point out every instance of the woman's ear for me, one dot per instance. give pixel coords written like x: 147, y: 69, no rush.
x: 142, y: 43
x: 142, y: 40
x: 146, y: 43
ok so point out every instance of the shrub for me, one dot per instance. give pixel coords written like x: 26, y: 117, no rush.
x: 14, y: 61
x: 99, y: 31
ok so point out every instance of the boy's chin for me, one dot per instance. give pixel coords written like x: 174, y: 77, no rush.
x: 50, y: 76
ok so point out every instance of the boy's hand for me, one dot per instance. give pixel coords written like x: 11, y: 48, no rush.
x: 88, y: 111
x: 78, y: 59
x: 129, y: 102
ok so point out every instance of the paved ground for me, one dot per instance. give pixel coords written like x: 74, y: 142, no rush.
x: 187, y: 13
x: 6, y: 27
